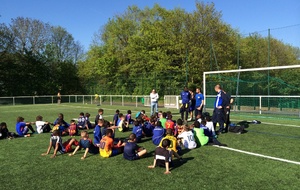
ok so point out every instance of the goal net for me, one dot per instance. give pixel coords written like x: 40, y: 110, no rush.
x: 258, y: 90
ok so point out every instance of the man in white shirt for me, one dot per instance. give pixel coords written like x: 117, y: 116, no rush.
x: 154, y: 102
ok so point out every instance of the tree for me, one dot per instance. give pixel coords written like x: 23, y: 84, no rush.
x: 37, y: 58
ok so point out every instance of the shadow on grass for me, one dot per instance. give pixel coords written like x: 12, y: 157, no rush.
x: 177, y: 163
x: 274, y: 134
x: 183, y: 151
x: 146, y: 139
x: 149, y: 154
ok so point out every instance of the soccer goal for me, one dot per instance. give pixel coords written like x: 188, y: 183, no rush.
x: 171, y: 101
x: 258, y: 90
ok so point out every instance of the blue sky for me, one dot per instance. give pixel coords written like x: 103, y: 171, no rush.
x: 83, y: 18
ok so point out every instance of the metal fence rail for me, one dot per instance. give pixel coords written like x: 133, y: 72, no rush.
x: 123, y: 100
x: 288, y: 105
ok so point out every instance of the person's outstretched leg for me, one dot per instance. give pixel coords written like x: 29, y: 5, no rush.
x: 31, y: 128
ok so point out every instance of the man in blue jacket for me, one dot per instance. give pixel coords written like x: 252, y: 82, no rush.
x: 185, y: 97
x: 220, y: 105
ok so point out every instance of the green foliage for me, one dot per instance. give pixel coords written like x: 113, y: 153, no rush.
x: 37, y: 59
x: 139, y: 50
x: 165, y: 49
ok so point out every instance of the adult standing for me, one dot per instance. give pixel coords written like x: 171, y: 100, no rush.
x: 219, y: 108
x: 199, y: 102
x: 58, y: 97
x: 154, y: 102
x: 185, y: 98
x: 192, y: 105
x: 227, y: 111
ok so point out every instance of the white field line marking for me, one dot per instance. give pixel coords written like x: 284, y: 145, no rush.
x: 32, y: 110
x: 280, y: 124
x: 259, y: 155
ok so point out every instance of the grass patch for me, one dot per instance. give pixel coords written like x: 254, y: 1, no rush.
x: 206, y: 167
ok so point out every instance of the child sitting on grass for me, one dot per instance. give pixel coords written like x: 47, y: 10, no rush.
x: 163, y: 157
x: 88, y: 122
x: 188, y: 139
x: 128, y: 118
x: 179, y: 127
x: 60, y: 127
x: 107, y: 147
x: 212, y: 139
x: 210, y: 125
x: 123, y: 126
x: 73, y: 130
x: 99, y: 115
x: 144, y: 116
x: 98, y: 133
x: 170, y: 124
x: 62, y: 121
x: 86, y: 144
x: 22, y: 127
x: 173, y: 143
x: 158, y: 133
x: 116, y: 118
x: 58, y: 146
x: 148, y: 129
x: 131, y: 150
x: 82, y: 123
x: 4, y: 132
x: 138, y: 131
x: 42, y: 126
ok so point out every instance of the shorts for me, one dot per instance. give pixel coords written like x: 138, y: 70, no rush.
x: 94, y: 149
x: 135, y: 157
x: 114, y: 152
x: 192, y: 108
x: 68, y: 148
x: 25, y: 131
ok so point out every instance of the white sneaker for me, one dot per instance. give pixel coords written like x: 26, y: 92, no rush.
x: 189, y: 119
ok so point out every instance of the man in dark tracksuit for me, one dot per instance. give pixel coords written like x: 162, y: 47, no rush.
x: 220, y: 105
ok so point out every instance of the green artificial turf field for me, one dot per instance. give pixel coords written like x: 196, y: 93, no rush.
x: 208, y: 167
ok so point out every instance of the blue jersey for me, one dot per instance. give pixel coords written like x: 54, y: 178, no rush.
x: 64, y: 123
x: 20, y: 128
x: 222, y: 99
x: 88, y: 122
x: 87, y: 143
x: 185, y: 97
x: 199, y: 98
x: 207, y: 132
x: 158, y: 134
x: 119, y: 120
x: 116, y: 119
x: 130, y: 149
x: 81, y: 121
x: 138, y: 131
x: 148, y: 130
x: 97, y: 134
x: 219, y: 100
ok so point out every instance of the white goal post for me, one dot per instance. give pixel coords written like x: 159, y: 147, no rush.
x: 242, y: 70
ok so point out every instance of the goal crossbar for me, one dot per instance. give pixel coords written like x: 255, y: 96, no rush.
x: 242, y: 70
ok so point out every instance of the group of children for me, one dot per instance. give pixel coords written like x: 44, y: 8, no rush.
x: 169, y: 136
